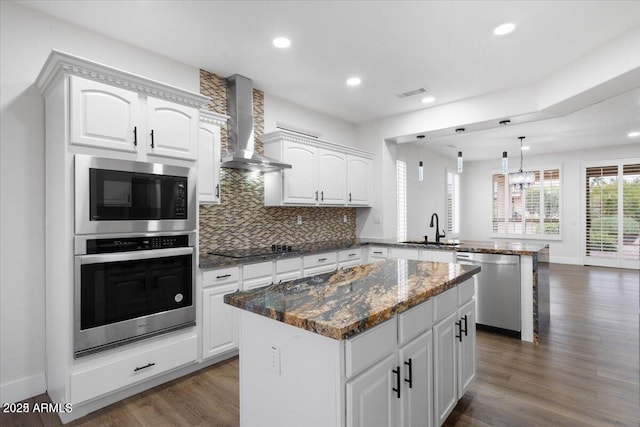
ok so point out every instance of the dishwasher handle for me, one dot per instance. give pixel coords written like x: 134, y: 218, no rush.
x: 468, y: 258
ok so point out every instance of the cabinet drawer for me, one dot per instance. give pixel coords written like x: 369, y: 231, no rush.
x: 122, y: 372
x: 415, y: 321
x: 365, y: 349
x: 327, y: 258
x: 378, y: 252
x: 445, y: 304
x: 466, y: 291
x: 349, y: 255
x: 406, y: 253
x: 288, y: 265
x: 256, y: 275
x: 437, y: 256
x: 220, y: 276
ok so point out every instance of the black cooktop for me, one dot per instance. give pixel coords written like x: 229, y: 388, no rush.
x: 254, y: 252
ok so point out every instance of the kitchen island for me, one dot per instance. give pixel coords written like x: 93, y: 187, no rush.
x: 385, y: 343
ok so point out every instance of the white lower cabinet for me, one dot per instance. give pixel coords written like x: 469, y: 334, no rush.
x: 349, y: 257
x: 370, y: 401
x: 454, y: 340
x: 406, y: 253
x: 220, y: 323
x: 288, y: 269
x: 257, y: 275
x: 416, y: 403
x: 319, y: 263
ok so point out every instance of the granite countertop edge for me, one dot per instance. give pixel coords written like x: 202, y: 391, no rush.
x: 356, y: 327
x: 215, y: 261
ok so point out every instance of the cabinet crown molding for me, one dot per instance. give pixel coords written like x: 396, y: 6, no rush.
x: 280, y: 135
x: 211, y: 117
x: 59, y: 64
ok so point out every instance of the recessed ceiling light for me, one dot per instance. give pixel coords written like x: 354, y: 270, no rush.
x: 281, y: 42
x: 428, y: 100
x: 354, y: 81
x: 633, y: 134
x: 503, y: 29
x: 525, y: 147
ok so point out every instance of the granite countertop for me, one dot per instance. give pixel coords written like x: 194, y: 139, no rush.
x: 349, y: 301
x: 493, y: 247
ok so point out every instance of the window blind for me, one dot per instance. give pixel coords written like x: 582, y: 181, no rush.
x: 453, y: 203
x: 631, y: 212
x: 601, y: 218
x: 532, y: 211
x: 401, y: 200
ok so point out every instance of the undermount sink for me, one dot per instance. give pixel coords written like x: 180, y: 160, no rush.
x: 424, y: 243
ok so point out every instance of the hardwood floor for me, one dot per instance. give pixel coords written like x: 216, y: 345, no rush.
x: 585, y: 371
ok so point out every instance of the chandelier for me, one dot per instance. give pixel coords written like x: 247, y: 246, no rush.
x: 520, y: 179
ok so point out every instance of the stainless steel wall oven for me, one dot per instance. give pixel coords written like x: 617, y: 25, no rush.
x: 130, y: 287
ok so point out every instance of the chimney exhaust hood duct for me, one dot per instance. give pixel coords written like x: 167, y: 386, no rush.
x: 241, y: 154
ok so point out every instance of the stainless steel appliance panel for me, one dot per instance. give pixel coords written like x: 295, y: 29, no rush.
x: 498, y: 293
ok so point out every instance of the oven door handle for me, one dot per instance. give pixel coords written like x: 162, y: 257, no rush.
x: 132, y: 256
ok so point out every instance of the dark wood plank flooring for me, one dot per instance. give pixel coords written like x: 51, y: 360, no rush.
x: 585, y: 372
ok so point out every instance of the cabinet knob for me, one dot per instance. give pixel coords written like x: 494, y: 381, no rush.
x: 152, y: 144
x: 140, y: 368
x: 409, y: 363
x: 316, y: 195
x: 349, y: 196
x: 135, y: 136
x: 459, y: 334
x: 218, y: 190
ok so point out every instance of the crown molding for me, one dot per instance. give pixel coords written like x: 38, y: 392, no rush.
x: 283, y: 135
x: 60, y: 64
x: 213, y: 118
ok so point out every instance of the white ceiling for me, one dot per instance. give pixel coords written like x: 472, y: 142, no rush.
x: 447, y: 47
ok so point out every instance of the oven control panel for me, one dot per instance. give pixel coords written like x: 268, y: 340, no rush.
x: 128, y: 244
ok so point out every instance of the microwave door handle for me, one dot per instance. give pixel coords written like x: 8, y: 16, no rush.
x: 132, y: 256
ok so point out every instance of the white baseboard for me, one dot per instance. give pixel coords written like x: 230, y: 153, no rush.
x: 565, y: 260
x: 22, y: 389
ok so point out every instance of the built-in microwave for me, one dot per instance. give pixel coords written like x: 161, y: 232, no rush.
x: 122, y: 196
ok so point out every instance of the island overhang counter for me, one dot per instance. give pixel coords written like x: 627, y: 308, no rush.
x: 386, y: 343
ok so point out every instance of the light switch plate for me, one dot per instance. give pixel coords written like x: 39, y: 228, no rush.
x: 274, y: 363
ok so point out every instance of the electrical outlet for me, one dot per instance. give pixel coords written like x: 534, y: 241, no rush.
x: 275, y: 359
x: 344, y: 219
x: 299, y: 219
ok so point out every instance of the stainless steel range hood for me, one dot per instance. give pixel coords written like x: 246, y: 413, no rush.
x: 241, y: 154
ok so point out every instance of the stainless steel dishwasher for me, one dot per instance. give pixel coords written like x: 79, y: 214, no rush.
x: 498, y: 290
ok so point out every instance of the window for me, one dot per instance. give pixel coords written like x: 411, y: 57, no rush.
x: 528, y: 212
x: 401, y: 199
x: 612, y: 214
x: 453, y: 204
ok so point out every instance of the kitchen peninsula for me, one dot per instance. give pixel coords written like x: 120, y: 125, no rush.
x: 383, y: 343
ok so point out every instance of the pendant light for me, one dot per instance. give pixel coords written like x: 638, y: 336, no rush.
x: 460, y: 161
x: 420, y: 168
x: 505, y: 159
x: 520, y: 179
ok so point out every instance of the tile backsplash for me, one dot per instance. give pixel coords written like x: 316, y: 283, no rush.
x: 241, y: 220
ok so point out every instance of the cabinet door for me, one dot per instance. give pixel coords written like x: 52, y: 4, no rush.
x: 406, y: 253
x: 371, y: 402
x: 299, y: 181
x: 219, y: 321
x: 358, y: 180
x: 172, y: 129
x: 445, y: 395
x: 416, y: 362
x: 209, y: 163
x: 103, y: 116
x: 332, y: 177
x: 467, y: 347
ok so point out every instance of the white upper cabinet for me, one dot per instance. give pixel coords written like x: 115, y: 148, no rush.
x: 113, y: 113
x: 299, y: 181
x: 332, y: 177
x: 359, y: 178
x: 322, y: 173
x: 103, y: 116
x: 172, y: 129
x: 209, y: 156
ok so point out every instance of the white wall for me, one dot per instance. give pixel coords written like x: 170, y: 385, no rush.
x: 426, y: 197
x: 476, y: 196
x: 333, y: 129
x: 25, y: 42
